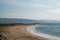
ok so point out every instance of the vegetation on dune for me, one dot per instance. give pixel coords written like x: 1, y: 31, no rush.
x: 12, y: 24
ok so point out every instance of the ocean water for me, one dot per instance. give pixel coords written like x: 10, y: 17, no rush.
x: 52, y: 32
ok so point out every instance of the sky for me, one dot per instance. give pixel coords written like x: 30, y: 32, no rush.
x: 30, y: 9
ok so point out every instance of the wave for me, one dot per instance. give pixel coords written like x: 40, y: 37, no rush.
x: 33, y: 31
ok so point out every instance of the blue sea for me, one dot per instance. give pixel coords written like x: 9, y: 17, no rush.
x: 52, y: 32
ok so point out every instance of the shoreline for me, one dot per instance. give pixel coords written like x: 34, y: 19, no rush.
x: 39, y: 37
x: 50, y: 37
x: 18, y: 32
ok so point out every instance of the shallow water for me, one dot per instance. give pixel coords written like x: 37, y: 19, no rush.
x: 46, y: 31
x: 51, y: 30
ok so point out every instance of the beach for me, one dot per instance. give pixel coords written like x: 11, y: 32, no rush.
x: 38, y: 32
x: 18, y: 32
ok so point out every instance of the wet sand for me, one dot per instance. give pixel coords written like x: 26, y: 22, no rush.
x: 17, y: 32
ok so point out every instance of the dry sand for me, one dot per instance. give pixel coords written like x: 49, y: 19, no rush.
x: 17, y: 32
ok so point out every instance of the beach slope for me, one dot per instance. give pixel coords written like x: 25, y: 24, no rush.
x: 17, y: 32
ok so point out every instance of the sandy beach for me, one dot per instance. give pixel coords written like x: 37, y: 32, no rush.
x: 17, y: 32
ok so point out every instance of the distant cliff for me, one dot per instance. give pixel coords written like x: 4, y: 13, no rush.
x: 27, y: 21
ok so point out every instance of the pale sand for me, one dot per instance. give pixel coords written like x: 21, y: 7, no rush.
x: 18, y: 32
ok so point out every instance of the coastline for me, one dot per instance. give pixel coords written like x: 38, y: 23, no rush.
x: 18, y: 32
x: 50, y: 37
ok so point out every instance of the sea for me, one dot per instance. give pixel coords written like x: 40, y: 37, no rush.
x: 51, y: 32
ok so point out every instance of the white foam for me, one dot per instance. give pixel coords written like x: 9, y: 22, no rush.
x: 32, y: 30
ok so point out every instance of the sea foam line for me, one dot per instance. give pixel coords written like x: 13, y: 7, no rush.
x: 33, y: 31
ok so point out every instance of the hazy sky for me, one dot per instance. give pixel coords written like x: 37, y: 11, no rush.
x: 30, y: 9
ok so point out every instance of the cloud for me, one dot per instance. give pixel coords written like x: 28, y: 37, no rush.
x: 23, y: 4
x: 52, y: 0
x: 56, y: 3
x: 57, y: 11
x: 40, y: 9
